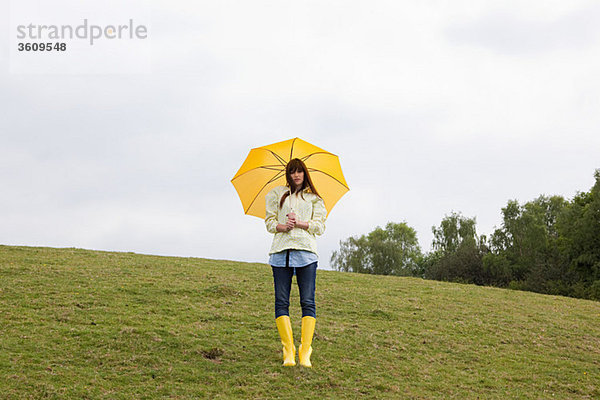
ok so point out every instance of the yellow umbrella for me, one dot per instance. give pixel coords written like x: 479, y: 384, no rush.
x: 264, y: 168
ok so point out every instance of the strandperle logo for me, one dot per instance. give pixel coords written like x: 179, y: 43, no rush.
x: 85, y: 31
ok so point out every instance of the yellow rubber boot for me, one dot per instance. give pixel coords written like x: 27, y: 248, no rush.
x: 284, y: 326
x: 308, y: 329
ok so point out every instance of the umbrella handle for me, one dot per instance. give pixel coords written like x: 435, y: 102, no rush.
x: 290, y: 197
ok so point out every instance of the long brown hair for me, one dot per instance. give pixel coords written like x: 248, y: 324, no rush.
x: 294, y: 165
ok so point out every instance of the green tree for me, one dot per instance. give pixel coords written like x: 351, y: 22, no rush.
x: 457, y: 251
x: 391, y: 251
x: 454, y: 231
x: 579, y: 229
x: 525, y: 250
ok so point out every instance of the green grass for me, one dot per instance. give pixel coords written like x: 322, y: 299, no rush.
x: 87, y: 324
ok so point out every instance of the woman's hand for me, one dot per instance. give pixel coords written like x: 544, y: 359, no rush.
x: 296, y: 223
x: 302, y: 225
x: 291, y: 222
x: 284, y: 227
x: 289, y: 225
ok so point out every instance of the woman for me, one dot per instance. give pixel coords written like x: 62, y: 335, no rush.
x: 295, y: 214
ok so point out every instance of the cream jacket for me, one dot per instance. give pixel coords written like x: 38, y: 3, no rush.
x: 311, y: 209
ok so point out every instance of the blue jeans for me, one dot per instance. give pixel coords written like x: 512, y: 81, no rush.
x: 306, y: 277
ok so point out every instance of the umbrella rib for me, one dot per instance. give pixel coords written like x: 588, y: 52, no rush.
x: 277, y: 156
x: 317, y: 152
x: 269, y: 167
x: 261, y: 189
x: 292, y: 148
x: 332, y: 177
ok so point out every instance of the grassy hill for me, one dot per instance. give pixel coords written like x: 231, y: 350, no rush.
x: 90, y: 324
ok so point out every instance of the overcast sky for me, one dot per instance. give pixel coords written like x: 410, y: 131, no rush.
x: 432, y: 107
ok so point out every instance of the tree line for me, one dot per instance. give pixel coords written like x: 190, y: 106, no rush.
x: 548, y: 245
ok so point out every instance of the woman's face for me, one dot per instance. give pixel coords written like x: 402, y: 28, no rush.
x: 298, y: 177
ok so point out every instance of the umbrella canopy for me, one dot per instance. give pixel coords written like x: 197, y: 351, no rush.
x: 264, y: 169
